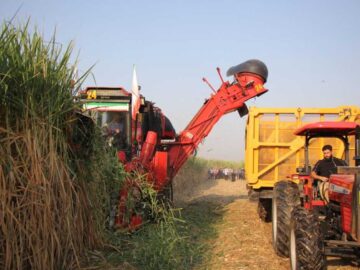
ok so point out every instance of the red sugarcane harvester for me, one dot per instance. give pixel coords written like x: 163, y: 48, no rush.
x: 145, y: 138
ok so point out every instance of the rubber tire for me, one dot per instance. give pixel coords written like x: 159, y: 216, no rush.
x: 264, y: 209
x: 285, y: 197
x: 306, y: 241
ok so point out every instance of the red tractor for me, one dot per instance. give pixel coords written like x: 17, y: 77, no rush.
x: 145, y: 139
x: 308, y: 227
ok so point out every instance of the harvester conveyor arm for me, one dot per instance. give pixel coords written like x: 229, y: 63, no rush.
x: 228, y: 98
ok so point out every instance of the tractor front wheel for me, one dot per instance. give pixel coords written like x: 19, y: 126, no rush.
x: 285, y: 197
x: 306, y: 241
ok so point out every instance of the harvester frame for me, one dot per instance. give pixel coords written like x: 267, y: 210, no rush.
x: 159, y: 156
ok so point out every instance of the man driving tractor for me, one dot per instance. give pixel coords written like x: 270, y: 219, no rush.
x: 324, y: 168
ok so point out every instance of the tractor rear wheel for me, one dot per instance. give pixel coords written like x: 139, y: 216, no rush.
x: 285, y: 197
x: 306, y: 243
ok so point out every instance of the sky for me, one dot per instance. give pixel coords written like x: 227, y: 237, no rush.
x: 311, y: 48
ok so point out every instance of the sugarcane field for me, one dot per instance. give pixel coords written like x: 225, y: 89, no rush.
x: 179, y: 135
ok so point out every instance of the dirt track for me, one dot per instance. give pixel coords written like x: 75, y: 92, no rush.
x: 243, y: 241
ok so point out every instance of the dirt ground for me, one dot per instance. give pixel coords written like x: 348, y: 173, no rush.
x: 243, y: 241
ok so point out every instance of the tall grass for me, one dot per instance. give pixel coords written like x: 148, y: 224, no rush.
x: 214, y: 163
x: 50, y: 195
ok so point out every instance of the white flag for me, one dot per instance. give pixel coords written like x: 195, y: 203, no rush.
x: 135, y: 100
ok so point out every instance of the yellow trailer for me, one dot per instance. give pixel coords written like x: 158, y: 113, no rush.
x: 273, y: 152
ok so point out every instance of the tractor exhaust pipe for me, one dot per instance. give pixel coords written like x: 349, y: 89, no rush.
x: 356, y: 190
x: 355, y: 223
x: 357, y: 146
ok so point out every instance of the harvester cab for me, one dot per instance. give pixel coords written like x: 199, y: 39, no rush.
x: 312, y: 226
x: 110, y: 108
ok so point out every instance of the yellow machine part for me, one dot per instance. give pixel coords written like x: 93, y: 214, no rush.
x: 273, y: 152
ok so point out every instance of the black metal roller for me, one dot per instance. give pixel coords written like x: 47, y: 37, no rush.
x: 251, y: 66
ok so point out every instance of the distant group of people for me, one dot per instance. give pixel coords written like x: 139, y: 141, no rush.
x: 226, y: 173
